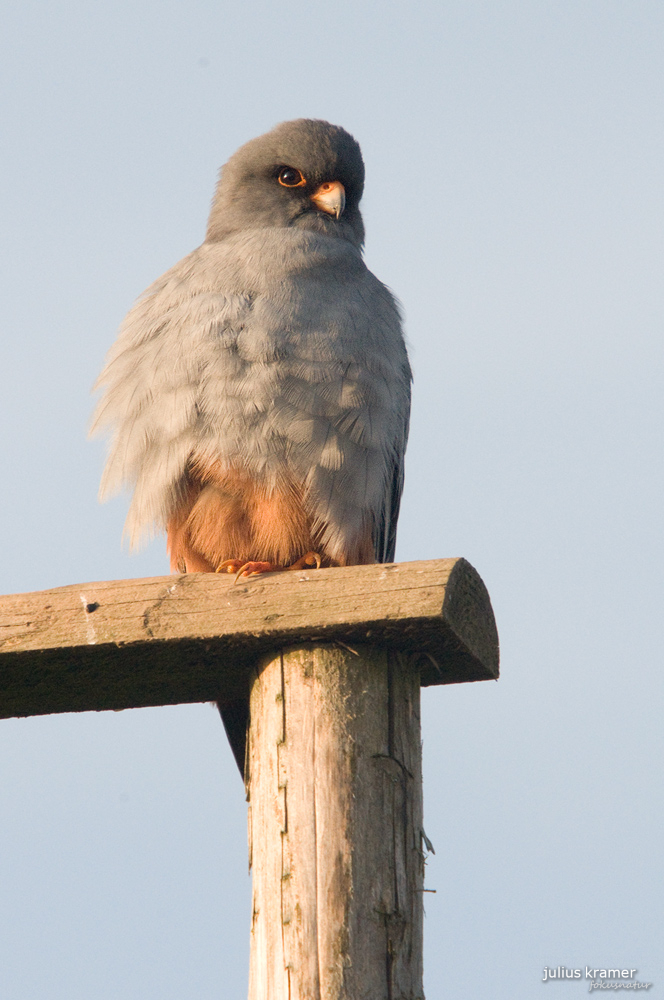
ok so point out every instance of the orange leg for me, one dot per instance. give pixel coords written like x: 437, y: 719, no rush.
x: 230, y: 523
x: 255, y: 568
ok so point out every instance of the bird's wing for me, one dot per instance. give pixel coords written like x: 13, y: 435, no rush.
x: 385, y: 527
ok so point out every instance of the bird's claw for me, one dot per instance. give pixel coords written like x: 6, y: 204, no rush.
x: 241, y: 568
x: 229, y: 566
x: 310, y: 560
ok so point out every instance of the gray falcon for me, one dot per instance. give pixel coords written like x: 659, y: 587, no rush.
x: 259, y: 391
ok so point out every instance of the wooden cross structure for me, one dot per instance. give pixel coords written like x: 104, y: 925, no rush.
x: 317, y: 674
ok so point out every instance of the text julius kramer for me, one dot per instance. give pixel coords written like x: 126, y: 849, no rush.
x: 562, y: 972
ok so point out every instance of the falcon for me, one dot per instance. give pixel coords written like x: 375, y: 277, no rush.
x: 258, y: 393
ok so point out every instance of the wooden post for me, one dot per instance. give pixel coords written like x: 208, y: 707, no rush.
x: 335, y: 825
x: 330, y: 663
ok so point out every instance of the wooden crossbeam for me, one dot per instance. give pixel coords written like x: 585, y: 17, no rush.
x: 182, y: 639
x: 318, y: 677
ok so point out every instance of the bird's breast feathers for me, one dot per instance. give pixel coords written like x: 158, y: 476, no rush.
x: 275, y: 350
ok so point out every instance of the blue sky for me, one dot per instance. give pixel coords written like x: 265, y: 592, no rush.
x: 514, y: 160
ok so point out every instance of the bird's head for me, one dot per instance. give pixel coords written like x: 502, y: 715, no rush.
x: 304, y: 173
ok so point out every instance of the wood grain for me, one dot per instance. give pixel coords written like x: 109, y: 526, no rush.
x: 190, y: 638
x: 334, y: 788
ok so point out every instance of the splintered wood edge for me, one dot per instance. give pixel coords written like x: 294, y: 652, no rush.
x: 183, y: 639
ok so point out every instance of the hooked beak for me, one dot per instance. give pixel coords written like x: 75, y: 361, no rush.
x: 330, y: 197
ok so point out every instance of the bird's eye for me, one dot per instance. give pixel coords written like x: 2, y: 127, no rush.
x: 289, y: 177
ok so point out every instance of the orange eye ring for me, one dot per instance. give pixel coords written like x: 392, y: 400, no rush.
x: 291, y: 177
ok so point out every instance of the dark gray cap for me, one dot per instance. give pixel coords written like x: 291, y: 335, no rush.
x: 249, y: 194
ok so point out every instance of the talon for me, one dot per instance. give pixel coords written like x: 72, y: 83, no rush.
x: 308, y: 561
x: 229, y: 566
x: 255, y: 569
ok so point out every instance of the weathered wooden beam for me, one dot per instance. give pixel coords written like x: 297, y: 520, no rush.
x: 178, y: 639
x: 326, y: 667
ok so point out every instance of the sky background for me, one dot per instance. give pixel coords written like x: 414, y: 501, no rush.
x: 514, y: 201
